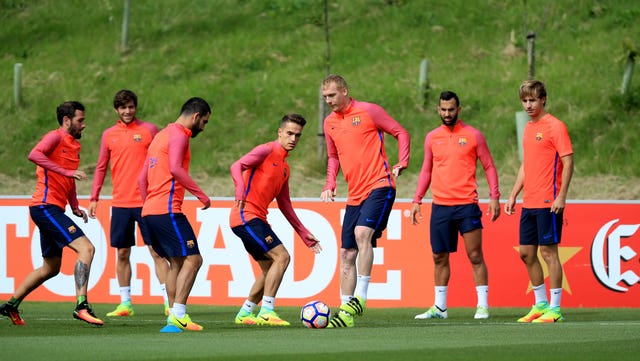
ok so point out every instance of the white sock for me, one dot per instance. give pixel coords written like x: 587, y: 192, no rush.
x: 441, y: 297
x: 483, y: 295
x: 345, y: 299
x: 163, y: 289
x: 556, y: 295
x: 541, y: 293
x: 268, y: 303
x: 248, y: 306
x: 125, y: 294
x: 179, y: 310
x: 362, y: 286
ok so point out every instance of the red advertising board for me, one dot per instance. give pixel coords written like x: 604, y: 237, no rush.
x: 598, y: 253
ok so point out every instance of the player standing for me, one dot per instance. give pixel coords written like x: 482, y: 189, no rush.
x: 124, y: 147
x: 544, y: 176
x: 451, y: 154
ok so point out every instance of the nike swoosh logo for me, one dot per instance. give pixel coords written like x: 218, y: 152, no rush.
x: 370, y: 220
x: 181, y: 324
x: 264, y: 318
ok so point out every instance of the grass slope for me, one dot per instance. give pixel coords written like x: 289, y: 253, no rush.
x: 255, y: 60
x: 382, y: 334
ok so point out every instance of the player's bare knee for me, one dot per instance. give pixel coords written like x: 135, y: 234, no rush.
x: 348, y: 255
x: 194, y: 261
x: 476, y: 258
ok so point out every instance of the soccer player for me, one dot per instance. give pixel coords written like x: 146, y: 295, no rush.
x: 163, y: 182
x: 354, y: 133
x: 451, y: 154
x: 260, y: 176
x: 124, y: 146
x: 57, y: 156
x: 545, y: 174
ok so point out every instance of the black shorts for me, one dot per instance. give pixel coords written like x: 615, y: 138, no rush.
x: 123, y: 227
x: 171, y: 235
x: 373, y: 212
x: 539, y: 226
x: 57, y: 230
x: 258, y: 238
x: 447, y: 221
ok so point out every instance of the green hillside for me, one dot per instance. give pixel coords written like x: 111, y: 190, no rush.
x: 255, y: 60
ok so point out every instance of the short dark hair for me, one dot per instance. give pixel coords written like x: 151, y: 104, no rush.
x: 448, y: 95
x: 195, y: 105
x: 124, y: 96
x: 68, y: 109
x: 293, y: 118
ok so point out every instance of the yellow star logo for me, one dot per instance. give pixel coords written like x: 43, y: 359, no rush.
x: 565, y: 254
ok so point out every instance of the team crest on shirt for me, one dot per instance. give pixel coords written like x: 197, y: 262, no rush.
x: 190, y: 243
x: 462, y: 141
x: 268, y: 239
x: 539, y: 136
x: 71, y: 229
x: 137, y: 137
x: 355, y: 121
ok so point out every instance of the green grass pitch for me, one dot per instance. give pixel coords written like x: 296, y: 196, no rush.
x: 381, y: 334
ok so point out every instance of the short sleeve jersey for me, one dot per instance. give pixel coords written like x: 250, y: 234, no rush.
x: 262, y: 184
x: 544, y: 143
x: 164, y: 193
x: 450, y: 165
x: 51, y: 187
x: 358, y: 142
x: 124, y: 147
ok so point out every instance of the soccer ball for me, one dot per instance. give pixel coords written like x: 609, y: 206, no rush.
x: 315, y: 314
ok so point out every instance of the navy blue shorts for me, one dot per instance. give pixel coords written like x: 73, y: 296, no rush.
x: 123, y: 227
x: 57, y: 230
x: 447, y: 221
x: 258, y: 238
x: 171, y: 235
x: 373, y: 212
x: 540, y: 226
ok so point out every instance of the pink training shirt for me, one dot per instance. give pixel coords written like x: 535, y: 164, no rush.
x: 165, y: 174
x: 544, y: 142
x: 260, y: 176
x: 124, y: 147
x: 355, y: 142
x: 450, y: 162
x: 57, y: 156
